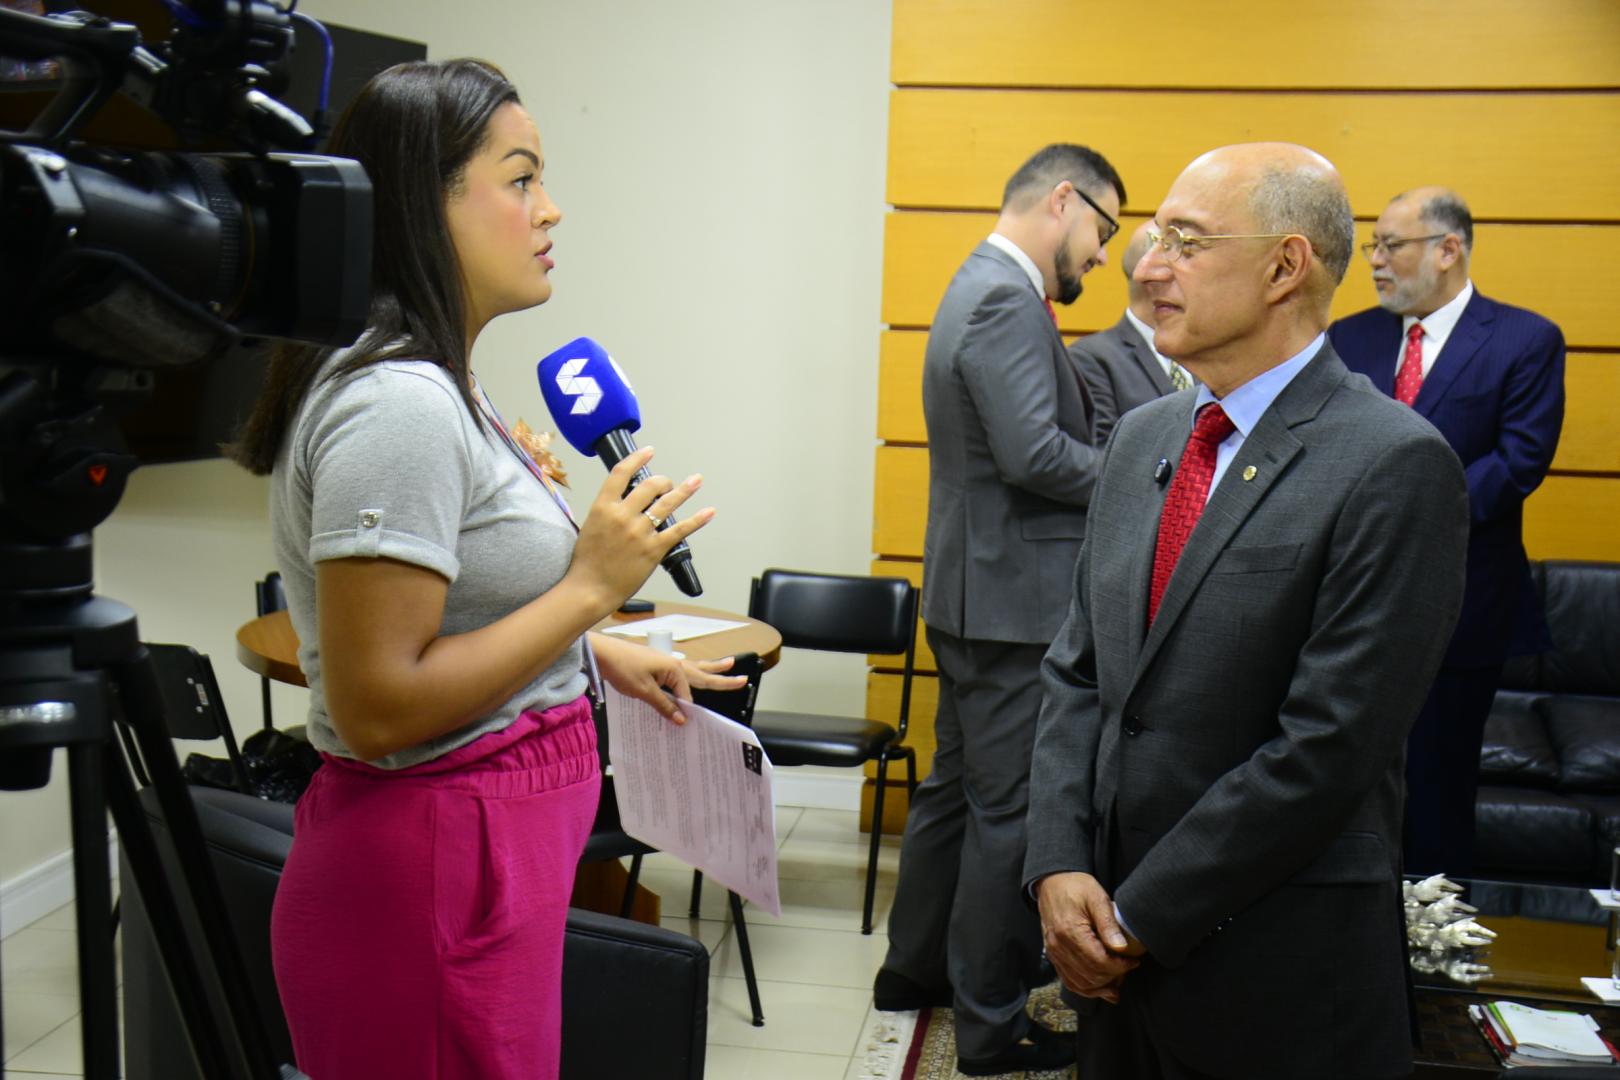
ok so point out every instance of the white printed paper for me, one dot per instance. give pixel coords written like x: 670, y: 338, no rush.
x: 702, y: 791
x: 682, y: 627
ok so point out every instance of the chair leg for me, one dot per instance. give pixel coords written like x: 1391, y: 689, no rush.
x: 630, y: 887
x: 877, y: 835
x: 697, y: 894
x: 264, y: 698
x: 911, y: 772
x: 740, y: 925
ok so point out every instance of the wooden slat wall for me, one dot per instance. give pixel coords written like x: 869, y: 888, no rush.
x: 1515, y: 104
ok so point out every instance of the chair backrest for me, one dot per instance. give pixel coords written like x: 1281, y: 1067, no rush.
x: 842, y: 613
x: 269, y: 593
x: 192, y: 705
x: 837, y: 612
x: 735, y: 705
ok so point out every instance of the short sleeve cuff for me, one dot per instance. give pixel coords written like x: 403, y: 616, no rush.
x: 371, y: 538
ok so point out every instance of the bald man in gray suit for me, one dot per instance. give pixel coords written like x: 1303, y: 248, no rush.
x: 1011, y: 466
x: 1120, y: 365
x: 1272, y: 570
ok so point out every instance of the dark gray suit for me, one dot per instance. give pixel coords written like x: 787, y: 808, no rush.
x: 1232, y: 774
x: 1121, y: 371
x: 1011, y: 470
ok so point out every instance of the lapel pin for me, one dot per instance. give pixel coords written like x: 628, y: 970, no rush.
x: 1161, y: 471
x: 1248, y: 472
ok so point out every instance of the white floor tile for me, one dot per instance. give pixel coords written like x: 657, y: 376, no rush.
x: 831, y: 905
x: 61, y: 1051
x: 786, y: 818
x: 832, y: 860
x: 674, y: 888
x: 708, y: 931
x: 742, y: 1063
x: 30, y: 1017
x: 836, y: 826
x: 798, y: 1017
x: 795, y: 954
x: 60, y: 919
x: 40, y: 962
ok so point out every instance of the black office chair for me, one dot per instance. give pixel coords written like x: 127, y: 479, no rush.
x: 192, y: 709
x: 609, y: 841
x: 268, y: 596
x: 840, y: 613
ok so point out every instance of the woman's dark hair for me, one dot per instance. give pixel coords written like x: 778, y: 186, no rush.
x: 414, y: 127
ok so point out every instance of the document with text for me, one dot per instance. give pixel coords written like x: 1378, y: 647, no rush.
x: 702, y: 791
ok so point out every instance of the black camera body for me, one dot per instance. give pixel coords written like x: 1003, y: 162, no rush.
x: 118, y: 263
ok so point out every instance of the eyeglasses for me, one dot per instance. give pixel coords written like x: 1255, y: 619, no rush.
x: 1113, y: 226
x: 1172, y: 241
x: 1386, y: 248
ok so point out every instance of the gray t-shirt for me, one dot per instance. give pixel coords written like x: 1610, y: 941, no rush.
x: 387, y: 462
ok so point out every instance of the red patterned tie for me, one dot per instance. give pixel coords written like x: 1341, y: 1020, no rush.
x: 1050, y: 310
x: 1410, y: 377
x: 1188, y: 493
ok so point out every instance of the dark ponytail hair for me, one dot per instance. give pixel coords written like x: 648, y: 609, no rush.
x: 414, y: 127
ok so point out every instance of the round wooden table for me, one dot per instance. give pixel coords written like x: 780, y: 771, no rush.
x: 268, y: 645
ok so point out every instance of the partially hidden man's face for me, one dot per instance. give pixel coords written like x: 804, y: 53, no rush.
x: 1211, y: 296
x: 1409, y: 276
x: 1082, y: 246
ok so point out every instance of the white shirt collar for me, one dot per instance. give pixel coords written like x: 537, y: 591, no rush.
x: 1018, y: 256
x: 1146, y: 331
x: 1439, y: 323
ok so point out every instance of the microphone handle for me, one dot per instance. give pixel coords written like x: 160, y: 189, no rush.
x: 613, y: 448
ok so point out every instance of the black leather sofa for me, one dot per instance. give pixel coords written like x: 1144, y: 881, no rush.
x: 1549, y: 796
x: 635, y: 997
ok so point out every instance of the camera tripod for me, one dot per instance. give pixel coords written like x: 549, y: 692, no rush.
x: 72, y: 672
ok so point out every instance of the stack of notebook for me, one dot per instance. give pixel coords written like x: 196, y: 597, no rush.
x: 1524, y: 1036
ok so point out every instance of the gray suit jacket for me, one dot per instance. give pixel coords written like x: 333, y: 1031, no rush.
x: 1121, y: 372
x: 1011, y: 463
x: 1232, y: 774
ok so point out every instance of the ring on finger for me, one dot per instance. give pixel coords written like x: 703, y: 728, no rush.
x: 652, y: 517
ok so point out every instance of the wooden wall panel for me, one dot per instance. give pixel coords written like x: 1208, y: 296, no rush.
x: 900, y: 363
x: 1574, y: 517
x: 1590, y: 443
x: 1566, y: 272
x: 1591, y: 438
x: 1260, y: 43
x: 956, y: 148
x: 883, y: 703
x: 902, y: 501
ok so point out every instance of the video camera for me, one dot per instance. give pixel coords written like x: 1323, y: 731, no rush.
x: 117, y: 262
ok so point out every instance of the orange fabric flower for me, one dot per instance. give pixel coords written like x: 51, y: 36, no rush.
x: 538, y: 446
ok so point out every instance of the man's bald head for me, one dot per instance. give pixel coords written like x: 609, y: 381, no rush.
x: 1229, y: 305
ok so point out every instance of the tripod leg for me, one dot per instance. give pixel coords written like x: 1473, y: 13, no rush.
x: 92, y: 882
x: 143, y: 712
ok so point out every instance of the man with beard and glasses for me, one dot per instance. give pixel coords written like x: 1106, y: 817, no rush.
x: 1491, y: 378
x: 1011, y: 470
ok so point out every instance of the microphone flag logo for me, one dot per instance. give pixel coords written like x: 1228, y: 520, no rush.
x: 582, y: 388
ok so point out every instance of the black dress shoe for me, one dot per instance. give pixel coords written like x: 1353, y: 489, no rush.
x: 893, y: 992
x: 1046, y: 1049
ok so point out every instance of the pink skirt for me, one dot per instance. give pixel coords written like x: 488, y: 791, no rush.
x: 418, y: 927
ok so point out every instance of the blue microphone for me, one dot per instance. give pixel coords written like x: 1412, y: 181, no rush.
x: 595, y: 410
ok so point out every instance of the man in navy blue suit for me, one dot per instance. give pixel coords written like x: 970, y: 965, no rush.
x: 1490, y: 377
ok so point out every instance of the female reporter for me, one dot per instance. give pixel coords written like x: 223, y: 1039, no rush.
x: 443, y: 597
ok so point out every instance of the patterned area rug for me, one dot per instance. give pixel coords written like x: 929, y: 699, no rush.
x: 922, y: 1045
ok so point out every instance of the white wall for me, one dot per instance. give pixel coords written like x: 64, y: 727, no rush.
x: 720, y: 167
